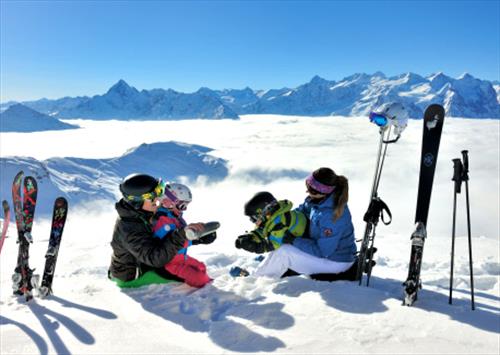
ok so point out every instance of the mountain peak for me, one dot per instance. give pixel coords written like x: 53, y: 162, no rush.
x: 438, y: 76
x: 379, y: 74
x: 20, y: 109
x: 20, y: 118
x: 318, y: 80
x: 466, y: 76
x: 122, y: 88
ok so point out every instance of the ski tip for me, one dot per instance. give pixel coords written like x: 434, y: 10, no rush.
x: 60, y: 202
x: 435, y: 109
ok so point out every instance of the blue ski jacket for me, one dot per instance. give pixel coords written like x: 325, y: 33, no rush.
x: 327, y: 239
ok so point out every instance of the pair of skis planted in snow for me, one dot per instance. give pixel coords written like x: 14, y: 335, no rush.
x: 24, y: 281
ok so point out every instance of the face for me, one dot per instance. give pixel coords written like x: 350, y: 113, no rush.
x: 313, y: 194
x: 151, y: 205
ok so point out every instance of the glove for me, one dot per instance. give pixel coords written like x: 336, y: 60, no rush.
x: 288, y: 238
x: 206, y: 239
x: 251, y: 243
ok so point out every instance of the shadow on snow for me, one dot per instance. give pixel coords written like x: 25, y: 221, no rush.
x: 51, y: 322
x: 212, y: 310
x: 349, y: 297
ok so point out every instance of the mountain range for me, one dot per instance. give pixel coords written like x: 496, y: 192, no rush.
x: 355, y: 95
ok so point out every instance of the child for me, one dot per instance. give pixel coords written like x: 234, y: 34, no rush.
x: 169, y: 218
x: 275, y: 224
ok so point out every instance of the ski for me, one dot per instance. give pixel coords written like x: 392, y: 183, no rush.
x: 58, y: 221
x: 433, y: 126
x: 23, y: 278
x: 6, y: 221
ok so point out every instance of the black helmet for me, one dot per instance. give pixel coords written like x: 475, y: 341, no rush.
x: 136, y: 188
x: 257, y: 203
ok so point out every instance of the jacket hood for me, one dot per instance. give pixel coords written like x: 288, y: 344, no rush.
x: 283, y: 206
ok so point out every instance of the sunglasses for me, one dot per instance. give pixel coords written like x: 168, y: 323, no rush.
x: 379, y: 119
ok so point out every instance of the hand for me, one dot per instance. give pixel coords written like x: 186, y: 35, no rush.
x: 288, y: 238
x: 250, y: 243
x: 206, y: 239
x: 193, y: 231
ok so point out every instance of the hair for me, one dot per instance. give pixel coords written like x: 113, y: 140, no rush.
x: 340, y: 194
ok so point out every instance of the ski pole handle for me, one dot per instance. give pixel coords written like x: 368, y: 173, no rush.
x: 465, y: 158
x: 457, y: 174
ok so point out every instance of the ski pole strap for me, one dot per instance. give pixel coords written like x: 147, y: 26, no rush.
x: 376, y: 211
x: 392, y: 140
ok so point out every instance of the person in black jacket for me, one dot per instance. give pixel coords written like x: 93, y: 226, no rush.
x: 135, y: 251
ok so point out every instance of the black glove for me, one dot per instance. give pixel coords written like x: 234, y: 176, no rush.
x: 251, y: 243
x: 206, y: 239
x: 288, y: 238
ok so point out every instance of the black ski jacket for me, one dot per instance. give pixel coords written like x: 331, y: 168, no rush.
x: 135, y: 250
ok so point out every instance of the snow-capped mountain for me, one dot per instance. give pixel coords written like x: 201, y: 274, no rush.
x: 357, y: 94
x: 496, y: 86
x: 20, y: 118
x: 360, y: 93
x: 81, y: 180
x: 125, y: 102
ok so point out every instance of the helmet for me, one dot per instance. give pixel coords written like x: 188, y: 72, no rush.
x: 257, y: 203
x: 177, y: 195
x: 136, y: 188
x: 394, y: 113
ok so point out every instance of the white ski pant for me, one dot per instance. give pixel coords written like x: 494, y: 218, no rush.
x: 287, y: 257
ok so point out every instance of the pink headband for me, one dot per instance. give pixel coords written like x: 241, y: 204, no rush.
x: 318, y: 186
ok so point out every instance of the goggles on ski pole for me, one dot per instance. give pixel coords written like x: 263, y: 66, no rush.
x: 379, y: 119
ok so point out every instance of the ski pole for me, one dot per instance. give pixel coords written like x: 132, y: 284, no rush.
x: 457, y: 178
x: 465, y: 177
x: 369, y: 235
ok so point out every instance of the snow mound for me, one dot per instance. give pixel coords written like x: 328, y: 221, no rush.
x: 87, y: 180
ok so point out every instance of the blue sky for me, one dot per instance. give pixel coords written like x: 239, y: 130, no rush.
x: 68, y: 48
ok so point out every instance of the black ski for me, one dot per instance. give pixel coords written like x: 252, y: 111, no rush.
x: 58, y: 220
x: 23, y: 278
x: 433, y: 126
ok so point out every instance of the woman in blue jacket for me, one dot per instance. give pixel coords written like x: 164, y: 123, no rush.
x: 330, y: 246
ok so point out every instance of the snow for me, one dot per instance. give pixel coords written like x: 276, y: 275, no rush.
x: 89, y: 314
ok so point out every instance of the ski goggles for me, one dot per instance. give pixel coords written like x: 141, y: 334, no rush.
x: 379, y: 119
x: 180, y: 205
x: 152, y: 195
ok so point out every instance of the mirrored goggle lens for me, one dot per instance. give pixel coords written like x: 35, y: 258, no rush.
x: 378, y: 119
x: 182, y: 206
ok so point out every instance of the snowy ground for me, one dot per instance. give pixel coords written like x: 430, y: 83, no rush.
x: 88, y: 314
